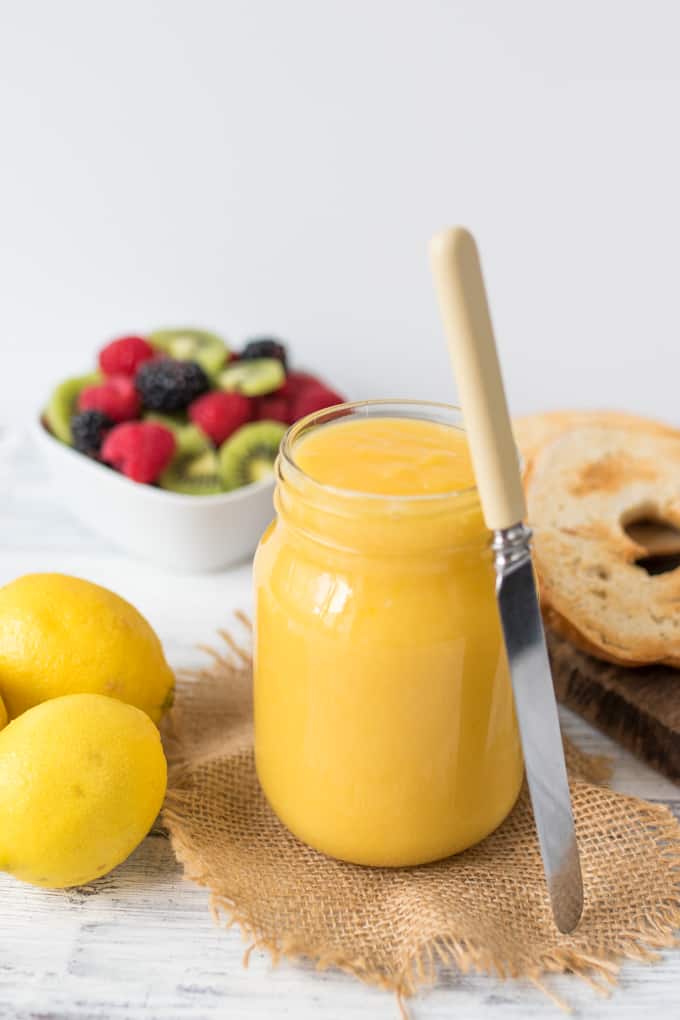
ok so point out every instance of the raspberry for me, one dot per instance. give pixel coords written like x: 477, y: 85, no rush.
x: 116, y: 397
x: 220, y: 414
x: 274, y: 407
x: 314, y: 397
x: 140, y: 449
x: 295, y: 383
x: 88, y: 429
x: 169, y: 385
x: 124, y: 356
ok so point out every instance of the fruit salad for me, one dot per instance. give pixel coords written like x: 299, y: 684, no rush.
x: 178, y: 409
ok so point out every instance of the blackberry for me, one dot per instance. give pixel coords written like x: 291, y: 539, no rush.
x: 89, y: 429
x: 265, y: 347
x: 168, y: 385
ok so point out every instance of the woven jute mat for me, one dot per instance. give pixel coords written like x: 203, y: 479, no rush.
x: 484, y: 910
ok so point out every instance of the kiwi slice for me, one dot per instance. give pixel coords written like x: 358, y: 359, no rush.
x: 249, y: 455
x: 62, y: 405
x: 252, y: 378
x: 193, y: 475
x: 189, y: 438
x: 187, y: 344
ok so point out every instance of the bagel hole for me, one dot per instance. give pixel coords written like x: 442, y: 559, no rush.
x: 654, y: 565
x: 659, y: 538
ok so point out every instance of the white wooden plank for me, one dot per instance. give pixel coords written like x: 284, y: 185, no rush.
x: 143, y: 944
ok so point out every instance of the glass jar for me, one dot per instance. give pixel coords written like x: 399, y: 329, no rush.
x: 385, y: 730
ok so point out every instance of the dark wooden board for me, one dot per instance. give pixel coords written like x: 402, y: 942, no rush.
x: 639, y: 708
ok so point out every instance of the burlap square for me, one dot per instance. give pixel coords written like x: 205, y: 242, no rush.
x: 485, y: 909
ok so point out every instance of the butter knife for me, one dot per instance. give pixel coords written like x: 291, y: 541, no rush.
x: 465, y: 313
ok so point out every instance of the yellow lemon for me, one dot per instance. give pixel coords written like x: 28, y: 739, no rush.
x: 82, y: 779
x: 3, y: 714
x: 62, y: 635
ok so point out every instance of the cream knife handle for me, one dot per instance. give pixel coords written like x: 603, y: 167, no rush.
x: 465, y: 312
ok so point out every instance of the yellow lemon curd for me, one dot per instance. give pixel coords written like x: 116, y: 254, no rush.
x: 384, y: 719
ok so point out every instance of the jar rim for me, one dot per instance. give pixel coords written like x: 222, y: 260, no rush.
x: 430, y: 410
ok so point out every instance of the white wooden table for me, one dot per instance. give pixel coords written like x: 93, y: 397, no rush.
x: 141, y: 942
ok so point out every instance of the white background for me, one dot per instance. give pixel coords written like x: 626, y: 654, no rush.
x: 279, y: 166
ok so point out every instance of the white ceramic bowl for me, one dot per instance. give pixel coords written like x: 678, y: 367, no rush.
x: 190, y: 533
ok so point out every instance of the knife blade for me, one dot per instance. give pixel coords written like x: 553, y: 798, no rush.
x: 465, y: 312
x: 538, y: 722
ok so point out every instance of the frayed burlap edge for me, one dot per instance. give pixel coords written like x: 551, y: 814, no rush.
x: 598, y: 970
